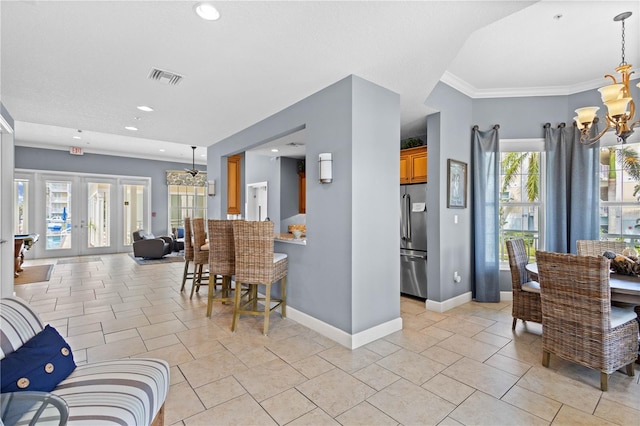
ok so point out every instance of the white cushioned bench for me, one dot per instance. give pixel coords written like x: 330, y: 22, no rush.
x: 128, y: 391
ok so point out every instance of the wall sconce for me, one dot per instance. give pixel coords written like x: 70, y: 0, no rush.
x: 211, y: 188
x: 325, y: 161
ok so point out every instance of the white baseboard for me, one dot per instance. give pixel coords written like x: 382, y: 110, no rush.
x: 351, y: 341
x: 440, y: 307
x: 506, y: 296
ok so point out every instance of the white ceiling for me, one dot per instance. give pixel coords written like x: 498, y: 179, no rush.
x: 75, y: 65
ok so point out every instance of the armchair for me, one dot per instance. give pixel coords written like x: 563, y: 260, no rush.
x: 149, y: 246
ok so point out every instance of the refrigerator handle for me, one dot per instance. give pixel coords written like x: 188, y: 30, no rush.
x: 403, y: 218
x: 408, y: 211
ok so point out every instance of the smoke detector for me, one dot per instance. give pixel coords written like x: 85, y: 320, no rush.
x: 165, y: 77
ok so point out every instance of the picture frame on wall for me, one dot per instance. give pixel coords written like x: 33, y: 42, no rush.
x: 456, y: 184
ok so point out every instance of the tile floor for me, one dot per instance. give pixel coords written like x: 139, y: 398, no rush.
x: 465, y: 366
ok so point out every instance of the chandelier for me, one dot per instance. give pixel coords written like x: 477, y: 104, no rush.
x: 620, y: 106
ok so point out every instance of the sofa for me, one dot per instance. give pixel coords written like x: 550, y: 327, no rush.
x: 149, y: 246
x: 129, y: 391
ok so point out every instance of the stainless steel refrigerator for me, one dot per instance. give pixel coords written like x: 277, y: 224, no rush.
x: 413, y: 240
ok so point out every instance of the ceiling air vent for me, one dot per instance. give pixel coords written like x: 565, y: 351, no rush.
x: 165, y: 77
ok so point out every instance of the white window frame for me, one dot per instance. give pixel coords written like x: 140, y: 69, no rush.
x: 528, y: 145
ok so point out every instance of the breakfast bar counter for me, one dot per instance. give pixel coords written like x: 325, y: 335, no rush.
x: 290, y: 239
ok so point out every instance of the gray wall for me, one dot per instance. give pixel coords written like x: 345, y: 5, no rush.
x: 449, y: 136
x: 289, y: 200
x: 260, y: 168
x: 55, y: 160
x: 348, y: 273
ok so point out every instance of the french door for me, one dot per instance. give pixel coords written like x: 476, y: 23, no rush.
x: 77, y: 215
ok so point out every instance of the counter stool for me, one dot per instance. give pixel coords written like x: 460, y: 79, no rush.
x: 188, y: 252
x: 221, y: 260
x: 200, y: 255
x: 257, y: 264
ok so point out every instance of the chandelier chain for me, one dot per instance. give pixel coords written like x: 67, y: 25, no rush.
x: 623, y: 61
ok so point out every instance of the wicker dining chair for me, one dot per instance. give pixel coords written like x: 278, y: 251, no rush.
x: 221, y: 261
x: 526, y: 292
x: 188, y: 252
x: 597, y: 247
x: 257, y: 264
x: 578, y: 322
x: 200, y: 255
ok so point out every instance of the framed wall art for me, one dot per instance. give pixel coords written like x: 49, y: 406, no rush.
x: 456, y: 184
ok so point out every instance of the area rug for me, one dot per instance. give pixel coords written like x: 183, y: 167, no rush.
x: 173, y: 257
x: 34, y: 274
x: 81, y: 259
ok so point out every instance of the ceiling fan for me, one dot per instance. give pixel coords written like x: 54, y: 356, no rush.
x: 193, y: 171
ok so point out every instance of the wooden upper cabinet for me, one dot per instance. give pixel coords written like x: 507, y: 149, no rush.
x: 413, y: 165
x: 302, y: 193
x: 233, y: 184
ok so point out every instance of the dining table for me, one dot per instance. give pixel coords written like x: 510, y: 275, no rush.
x: 624, y: 288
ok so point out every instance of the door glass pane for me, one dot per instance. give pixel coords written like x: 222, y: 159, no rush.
x: 98, y: 217
x: 21, y: 207
x: 58, y: 214
x: 133, y: 211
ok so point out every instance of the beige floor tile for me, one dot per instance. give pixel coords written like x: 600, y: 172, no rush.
x: 481, y: 376
x: 382, y: 347
x: 532, y: 402
x: 569, y: 416
x: 316, y: 417
x: 220, y: 391
x: 365, y: 414
x: 417, y: 322
x: 507, y: 364
x: 84, y: 329
x: 617, y: 413
x: 255, y: 357
x: 492, y: 339
x: 174, y: 354
x: 209, y: 369
x: 411, y: 366
x: 176, y: 375
x: 410, y: 404
x: 449, y: 389
x: 313, y: 366
x: 116, y: 350
x: 460, y: 326
x: 288, y: 406
x: 349, y: 360
x: 548, y: 383
x: 294, y: 348
x: 121, y: 335
x: 83, y: 341
x: 181, y: 403
x: 469, y: 347
x: 242, y: 410
x: 437, y: 333
x: 441, y: 355
x: 412, y: 340
x: 624, y: 390
x: 483, y: 409
x: 335, y: 391
x: 161, y: 342
x: 375, y: 376
x: 269, y: 379
x: 114, y: 325
x: 448, y: 421
x: 161, y: 329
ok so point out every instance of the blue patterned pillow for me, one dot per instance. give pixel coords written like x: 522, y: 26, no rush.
x: 38, y: 365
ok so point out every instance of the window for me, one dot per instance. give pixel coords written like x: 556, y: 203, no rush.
x: 186, y: 201
x: 620, y: 193
x: 21, y: 203
x: 521, y: 202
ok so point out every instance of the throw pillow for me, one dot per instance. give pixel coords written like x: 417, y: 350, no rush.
x: 39, y: 365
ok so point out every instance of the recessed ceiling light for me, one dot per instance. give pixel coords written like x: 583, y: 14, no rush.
x: 133, y: 129
x: 145, y: 108
x: 203, y: 155
x: 77, y: 137
x: 274, y: 150
x: 207, y: 11
x: 161, y: 150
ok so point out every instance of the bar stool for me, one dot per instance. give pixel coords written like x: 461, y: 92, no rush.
x: 188, y: 252
x: 257, y: 264
x: 221, y: 260
x: 200, y: 255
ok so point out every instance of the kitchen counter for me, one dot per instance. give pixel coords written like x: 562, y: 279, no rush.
x: 289, y: 239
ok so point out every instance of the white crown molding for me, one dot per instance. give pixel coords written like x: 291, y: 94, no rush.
x: 475, y: 93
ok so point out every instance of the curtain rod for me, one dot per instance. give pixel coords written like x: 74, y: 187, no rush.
x: 496, y: 127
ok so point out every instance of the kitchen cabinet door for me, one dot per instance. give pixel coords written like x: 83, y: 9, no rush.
x: 413, y: 165
x: 233, y: 184
x: 302, y: 193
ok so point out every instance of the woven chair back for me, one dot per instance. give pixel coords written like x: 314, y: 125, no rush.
x: 596, y: 247
x: 188, y: 242
x: 222, y: 257
x: 199, y: 239
x: 253, y: 252
x: 518, y: 259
